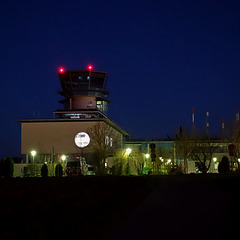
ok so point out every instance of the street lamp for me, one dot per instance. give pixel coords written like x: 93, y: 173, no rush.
x: 33, y: 153
x: 147, y: 157
x: 128, y: 151
x: 63, y: 158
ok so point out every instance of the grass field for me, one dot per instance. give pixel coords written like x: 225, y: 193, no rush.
x: 94, y: 207
x: 37, y: 208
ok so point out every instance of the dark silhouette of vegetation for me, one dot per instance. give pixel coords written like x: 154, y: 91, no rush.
x: 128, y: 169
x: 59, y: 170
x: 175, y: 170
x: 117, y: 169
x: 17, y: 160
x: 6, y: 167
x: 105, y: 142
x: 223, y: 166
x: 25, y: 172
x: 44, y: 170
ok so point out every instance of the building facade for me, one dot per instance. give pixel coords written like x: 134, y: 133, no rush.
x: 84, y: 105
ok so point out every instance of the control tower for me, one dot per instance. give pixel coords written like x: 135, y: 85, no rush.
x: 84, y: 92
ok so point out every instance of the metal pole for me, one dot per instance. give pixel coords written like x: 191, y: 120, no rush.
x: 89, y: 79
x: 34, y: 170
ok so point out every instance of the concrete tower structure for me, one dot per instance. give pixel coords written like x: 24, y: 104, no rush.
x: 85, y: 94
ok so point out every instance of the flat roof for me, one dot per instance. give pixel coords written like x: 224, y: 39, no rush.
x: 106, y: 120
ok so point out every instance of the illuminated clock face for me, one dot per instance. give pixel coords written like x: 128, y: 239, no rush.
x: 82, y: 139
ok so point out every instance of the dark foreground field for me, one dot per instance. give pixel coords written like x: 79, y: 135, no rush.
x: 165, y: 207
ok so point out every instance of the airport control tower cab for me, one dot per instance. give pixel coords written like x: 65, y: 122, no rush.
x: 84, y: 93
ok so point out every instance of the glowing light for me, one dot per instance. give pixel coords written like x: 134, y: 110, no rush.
x: 33, y: 152
x: 63, y: 157
x: 82, y: 139
x: 61, y: 70
x: 90, y: 67
x: 128, y: 150
x: 147, y: 155
x: 214, y: 159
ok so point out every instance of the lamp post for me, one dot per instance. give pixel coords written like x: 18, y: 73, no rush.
x: 147, y: 155
x: 63, y: 157
x: 128, y: 151
x: 215, y: 164
x: 33, y: 153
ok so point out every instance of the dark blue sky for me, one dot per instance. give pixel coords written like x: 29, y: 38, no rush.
x: 163, y: 57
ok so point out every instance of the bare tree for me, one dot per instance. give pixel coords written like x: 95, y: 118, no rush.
x: 196, y: 147
x: 201, y: 151
x: 234, y: 139
x: 105, y: 141
x: 138, y: 159
x: 183, y: 148
x: 119, y: 162
x: 162, y: 166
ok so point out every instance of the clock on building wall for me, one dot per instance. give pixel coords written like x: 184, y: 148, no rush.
x: 82, y: 139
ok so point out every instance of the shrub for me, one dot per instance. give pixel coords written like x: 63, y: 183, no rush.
x: 59, y: 170
x: 223, y: 166
x: 128, y: 169
x: 6, y: 167
x: 44, y: 170
x: 175, y: 170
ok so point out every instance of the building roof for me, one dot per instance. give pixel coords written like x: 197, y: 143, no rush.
x: 106, y: 120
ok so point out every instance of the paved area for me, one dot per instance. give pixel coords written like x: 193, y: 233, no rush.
x: 180, y: 209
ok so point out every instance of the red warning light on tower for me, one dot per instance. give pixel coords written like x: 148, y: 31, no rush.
x: 90, y: 67
x: 61, y: 70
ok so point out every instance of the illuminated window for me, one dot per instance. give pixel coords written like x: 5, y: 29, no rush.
x: 106, y: 140
x: 99, y: 106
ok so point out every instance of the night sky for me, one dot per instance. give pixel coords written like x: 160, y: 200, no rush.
x: 163, y: 57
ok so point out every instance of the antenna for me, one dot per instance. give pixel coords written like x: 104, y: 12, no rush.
x: 207, y: 122
x: 192, y: 118
x: 237, y: 115
x: 223, y: 126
